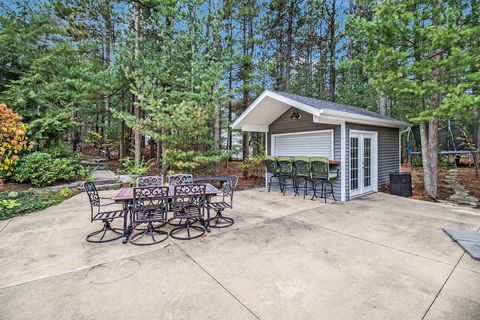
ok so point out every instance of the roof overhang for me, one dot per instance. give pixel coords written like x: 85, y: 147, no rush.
x: 270, y: 105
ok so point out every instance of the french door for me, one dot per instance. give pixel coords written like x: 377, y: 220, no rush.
x: 363, y: 162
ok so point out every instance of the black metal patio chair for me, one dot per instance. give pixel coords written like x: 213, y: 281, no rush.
x: 286, y: 171
x: 150, y: 205
x: 228, y: 188
x: 321, y: 174
x: 107, y: 217
x: 150, y: 181
x: 302, y: 173
x: 188, y: 206
x: 272, y: 170
x: 180, y: 179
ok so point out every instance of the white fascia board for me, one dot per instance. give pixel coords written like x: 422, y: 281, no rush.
x: 255, y: 127
x: 238, y: 124
x: 302, y: 106
x: 357, y: 118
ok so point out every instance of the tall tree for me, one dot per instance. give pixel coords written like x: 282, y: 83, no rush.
x: 415, y: 53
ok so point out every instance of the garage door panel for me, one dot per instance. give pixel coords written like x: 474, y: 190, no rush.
x: 305, y: 144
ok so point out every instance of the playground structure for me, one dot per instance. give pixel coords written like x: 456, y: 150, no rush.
x: 450, y: 150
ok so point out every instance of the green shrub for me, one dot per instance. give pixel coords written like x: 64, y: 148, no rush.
x: 29, y: 201
x: 41, y: 169
x: 60, y: 150
x: 130, y: 168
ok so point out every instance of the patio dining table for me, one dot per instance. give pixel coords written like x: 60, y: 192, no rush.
x: 125, y: 196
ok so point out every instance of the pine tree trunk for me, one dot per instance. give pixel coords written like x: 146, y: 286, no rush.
x: 332, y: 48
x: 382, y: 104
x: 426, y: 161
x: 158, y: 155
x: 106, y: 101
x: 138, y: 137
x: 433, y: 127
x: 122, y: 152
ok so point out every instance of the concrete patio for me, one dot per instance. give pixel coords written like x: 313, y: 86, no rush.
x: 377, y: 257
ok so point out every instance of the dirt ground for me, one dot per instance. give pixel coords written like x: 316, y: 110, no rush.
x: 466, y: 176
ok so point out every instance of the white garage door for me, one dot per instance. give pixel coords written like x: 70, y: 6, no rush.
x: 317, y: 143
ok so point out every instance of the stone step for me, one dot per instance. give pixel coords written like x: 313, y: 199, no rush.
x: 105, y: 181
x: 95, y: 165
x: 103, y: 175
x: 102, y: 187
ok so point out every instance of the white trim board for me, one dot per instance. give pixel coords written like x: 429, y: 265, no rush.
x: 374, y: 162
x: 343, y: 164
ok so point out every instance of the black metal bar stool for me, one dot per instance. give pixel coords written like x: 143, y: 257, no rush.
x: 286, y: 171
x: 301, y: 174
x: 272, y: 170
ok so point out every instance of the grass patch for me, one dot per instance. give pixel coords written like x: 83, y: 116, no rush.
x: 15, y: 203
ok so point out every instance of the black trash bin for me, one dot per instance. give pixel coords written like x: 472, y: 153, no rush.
x: 401, y: 184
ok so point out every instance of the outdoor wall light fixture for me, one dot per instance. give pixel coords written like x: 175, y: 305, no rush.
x: 295, y: 115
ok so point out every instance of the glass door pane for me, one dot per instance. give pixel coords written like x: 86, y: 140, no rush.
x: 367, y: 162
x: 354, y: 159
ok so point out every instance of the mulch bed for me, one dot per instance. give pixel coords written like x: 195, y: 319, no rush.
x: 418, y: 191
x: 466, y: 176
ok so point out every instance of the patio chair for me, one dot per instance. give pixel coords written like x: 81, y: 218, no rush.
x: 301, y: 174
x: 150, y: 181
x: 107, y: 217
x: 272, y: 170
x: 180, y: 179
x: 228, y: 188
x: 286, y: 171
x: 188, y: 206
x: 320, y: 173
x: 150, y: 205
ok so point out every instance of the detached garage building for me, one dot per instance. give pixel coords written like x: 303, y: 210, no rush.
x: 365, y: 144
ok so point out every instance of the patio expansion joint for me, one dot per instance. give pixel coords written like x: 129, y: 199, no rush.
x: 372, y: 242
x: 217, y: 281
x: 445, y: 283
x: 6, y: 224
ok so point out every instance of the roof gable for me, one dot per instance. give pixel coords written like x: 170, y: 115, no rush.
x: 271, y: 104
x: 323, y: 104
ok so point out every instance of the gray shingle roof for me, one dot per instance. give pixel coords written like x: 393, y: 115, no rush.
x: 322, y: 104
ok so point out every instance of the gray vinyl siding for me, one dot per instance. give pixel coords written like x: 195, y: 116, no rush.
x: 388, y: 153
x: 284, y: 124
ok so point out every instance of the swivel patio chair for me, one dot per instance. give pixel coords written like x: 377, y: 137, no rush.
x: 188, y: 206
x: 301, y: 174
x: 150, y: 181
x: 272, y: 170
x: 228, y: 188
x: 320, y: 173
x: 286, y: 171
x: 180, y: 179
x: 150, y: 205
x: 107, y: 217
